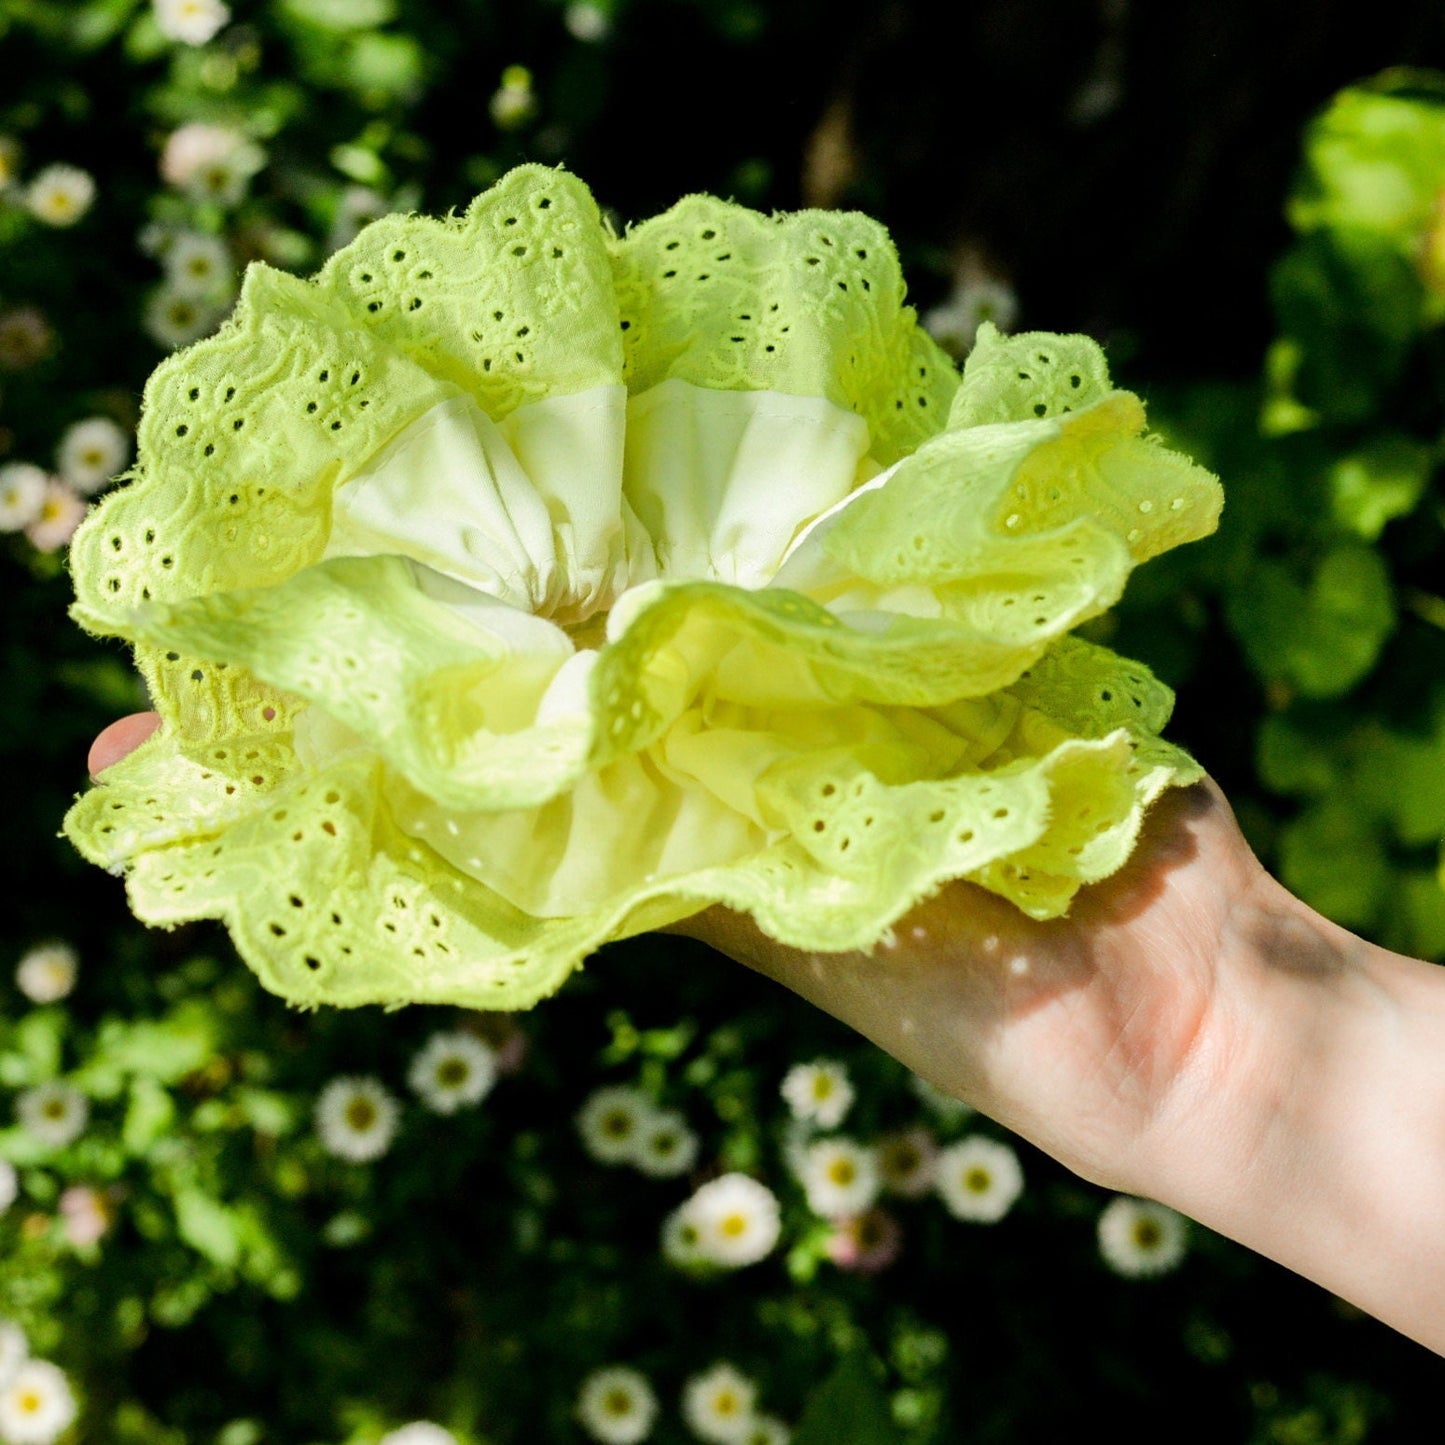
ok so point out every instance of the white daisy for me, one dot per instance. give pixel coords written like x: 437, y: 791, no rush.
x: 682, y: 1240
x: 91, y: 452
x: 840, y: 1177
x: 358, y: 206
x: 198, y: 265
x: 60, y: 195
x: 588, y: 23
x: 192, y: 22
x: 718, y: 1405
x: 9, y: 1188
x: 767, y: 1430
x: 907, y: 1161
x: 14, y: 1350
x: 514, y: 103
x: 61, y: 512
x: 666, y: 1147
x: 36, y: 1405
x: 47, y: 973
x: 210, y: 162
x: 1139, y: 1238
x: 173, y: 320
x: 419, y: 1432
x: 737, y: 1220
x: 22, y: 494
x: 453, y: 1070
x: 612, y: 1121
x: 819, y: 1091
x: 356, y: 1118
x: 56, y: 1114
x: 954, y: 325
x: 979, y: 1179
x: 617, y: 1406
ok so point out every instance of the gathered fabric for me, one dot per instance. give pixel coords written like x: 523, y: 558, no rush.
x: 513, y: 586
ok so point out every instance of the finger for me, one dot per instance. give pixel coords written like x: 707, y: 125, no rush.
x: 121, y: 738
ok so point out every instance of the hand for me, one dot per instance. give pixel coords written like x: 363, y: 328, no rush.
x: 1079, y: 1034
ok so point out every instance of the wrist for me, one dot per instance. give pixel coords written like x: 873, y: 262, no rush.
x: 1309, y: 1123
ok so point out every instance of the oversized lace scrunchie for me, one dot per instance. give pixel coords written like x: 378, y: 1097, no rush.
x: 513, y: 586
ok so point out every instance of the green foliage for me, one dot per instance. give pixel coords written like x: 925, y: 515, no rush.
x: 208, y: 1273
x: 1328, y: 565
x: 848, y: 1408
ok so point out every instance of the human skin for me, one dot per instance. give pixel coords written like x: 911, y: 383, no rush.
x: 1191, y: 1033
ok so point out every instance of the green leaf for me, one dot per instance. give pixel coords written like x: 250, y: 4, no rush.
x: 1332, y: 856
x: 1321, y: 637
x: 850, y: 1407
x: 149, y: 1114
x: 1352, y: 306
x: 1378, y: 483
x: 208, y: 1227
x: 1403, y: 779
x: 165, y: 1049
x: 393, y: 66
x: 1294, y: 761
x: 34, y: 1048
x: 266, y: 1111
x: 343, y: 14
x: 1417, y: 918
x: 1374, y: 163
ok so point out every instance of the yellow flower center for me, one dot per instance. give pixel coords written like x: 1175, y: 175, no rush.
x: 361, y: 1114
x: 734, y: 1225
x: 977, y: 1181
x: 1147, y: 1234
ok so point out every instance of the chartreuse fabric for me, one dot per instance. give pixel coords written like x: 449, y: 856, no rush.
x: 513, y: 586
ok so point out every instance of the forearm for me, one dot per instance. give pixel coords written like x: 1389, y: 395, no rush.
x: 1309, y: 1122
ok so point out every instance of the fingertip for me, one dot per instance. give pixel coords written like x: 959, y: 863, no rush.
x: 120, y: 739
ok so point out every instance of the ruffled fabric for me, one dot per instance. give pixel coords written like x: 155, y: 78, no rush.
x: 513, y: 586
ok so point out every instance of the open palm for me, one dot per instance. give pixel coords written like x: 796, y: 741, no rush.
x: 1078, y: 1033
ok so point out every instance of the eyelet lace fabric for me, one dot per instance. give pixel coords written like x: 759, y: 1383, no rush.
x: 513, y: 586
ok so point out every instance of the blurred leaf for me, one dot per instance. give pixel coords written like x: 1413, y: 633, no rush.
x: 393, y: 66
x: 1403, y: 779
x: 95, y: 24
x: 1293, y: 761
x: 1322, y: 636
x: 1332, y: 856
x: 1351, y: 305
x: 343, y: 14
x: 1375, y: 162
x: 1383, y: 480
x: 267, y: 1111
x: 207, y: 1226
x: 850, y: 1407
x: 36, y: 1043
x: 165, y: 1049
x: 149, y: 1114
x: 1416, y: 923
